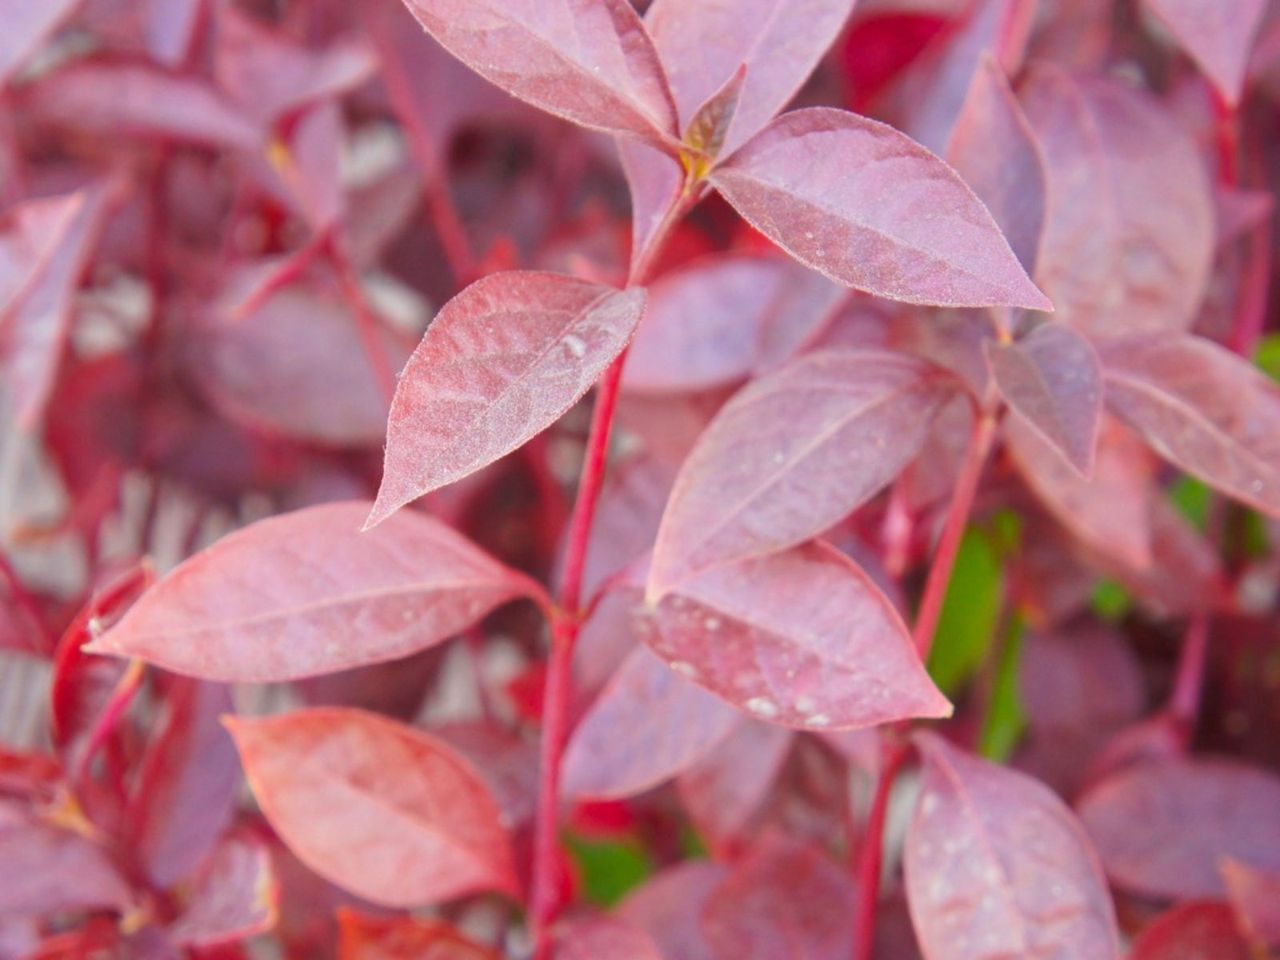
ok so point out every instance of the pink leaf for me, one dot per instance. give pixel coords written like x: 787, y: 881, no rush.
x: 1051, y: 378
x: 1163, y: 827
x: 1202, y: 408
x: 793, y: 453
x: 233, y: 897
x: 1255, y: 896
x: 381, y: 809
x: 170, y: 27
x: 590, y: 62
x: 1219, y: 37
x: 26, y: 26
x: 604, y: 939
x: 1129, y: 239
x: 801, y: 638
x: 305, y: 593
x: 1199, y: 930
x: 647, y: 726
x: 848, y: 197
x: 669, y: 907
x: 997, y: 866
x: 501, y: 362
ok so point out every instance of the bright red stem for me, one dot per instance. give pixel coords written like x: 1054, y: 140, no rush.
x: 871, y: 854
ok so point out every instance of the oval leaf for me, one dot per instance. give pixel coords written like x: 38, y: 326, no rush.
x: 998, y: 867
x: 793, y: 453
x: 801, y: 638
x: 1218, y: 37
x: 502, y: 361
x: 305, y: 593
x: 1200, y: 930
x: 870, y: 208
x: 378, y: 808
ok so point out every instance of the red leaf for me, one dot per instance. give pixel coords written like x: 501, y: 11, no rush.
x: 1052, y: 379
x: 232, y: 898
x: 647, y: 726
x: 501, y: 362
x: 1204, y: 409
x: 1163, y: 827
x: 801, y: 638
x: 26, y: 26
x: 669, y: 907
x: 380, y: 809
x: 1255, y: 896
x: 403, y: 938
x: 793, y: 453
x: 843, y: 195
x: 1200, y: 930
x: 589, y: 62
x: 604, y: 939
x: 1129, y: 239
x: 1219, y: 37
x: 305, y: 593
x: 997, y: 866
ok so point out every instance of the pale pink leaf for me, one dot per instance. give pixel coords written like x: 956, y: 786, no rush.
x: 26, y: 26
x: 655, y: 182
x: 306, y: 593
x: 233, y: 896
x: 1051, y: 378
x: 604, y: 938
x: 801, y: 638
x: 998, y: 867
x: 669, y: 908
x: 1196, y: 930
x: 793, y: 453
x: 1218, y: 36
x: 870, y: 208
x: 378, y: 808
x: 1255, y: 897
x: 589, y: 61
x: 648, y: 725
x: 170, y: 27
x: 502, y: 361
x: 1164, y: 827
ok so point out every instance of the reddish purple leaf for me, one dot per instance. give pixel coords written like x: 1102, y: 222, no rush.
x: 378, y: 808
x: 1164, y: 827
x: 26, y: 26
x: 305, y: 593
x: 170, y: 29
x: 403, y: 938
x: 1255, y: 897
x: 233, y: 897
x: 998, y: 867
x: 1051, y: 378
x: 844, y: 195
x: 500, y: 363
x: 604, y: 939
x: 779, y: 42
x: 648, y: 725
x: 793, y: 453
x: 1129, y: 239
x: 1218, y: 36
x: 669, y: 907
x: 1204, y: 409
x: 589, y: 62
x: 1199, y: 930
x: 801, y: 638
x: 724, y: 319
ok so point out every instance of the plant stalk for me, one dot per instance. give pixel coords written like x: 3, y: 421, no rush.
x: 871, y: 853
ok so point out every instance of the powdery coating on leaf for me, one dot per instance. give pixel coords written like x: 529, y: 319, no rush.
x: 993, y: 149
x: 1218, y: 36
x: 702, y: 44
x: 378, y: 808
x: 648, y: 725
x: 725, y: 318
x: 669, y: 908
x: 501, y: 362
x: 1204, y: 409
x: 1163, y: 828
x: 26, y: 25
x: 791, y: 454
x: 1128, y: 243
x: 606, y: 938
x: 1200, y: 930
x: 1255, y: 896
x: 998, y: 867
x: 306, y: 593
x: 233, y: 897
x: 1052, y: 379
x: 801, y: 638
x: 870, y: 208
x: 589, y: 61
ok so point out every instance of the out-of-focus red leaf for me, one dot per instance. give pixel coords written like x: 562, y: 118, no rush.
x: 232, y: 897
x: 669, y: 907
x: 592, y: 63
x: 1185, y: 574
x: 501, y: 362
x: 627, y: 517
x: 1219, y: 37
x: 724, y: 319
x: 1129, y: 238
x: 311, y: 164
x: 29, y: 775
x: 801, y: 638
x: 793, y: 453
x: 26, y: 26
x: 604, y: 939
x: 778, y: 41
x: 997, y: 866
x: 648, y: 725
x: 840, y: 193
x: 1204, y: 409
x: 365, y: 937
x: 1255, y: 897
x: 378, y: 808
x: 1199, y: 930
x: 1052, y: 379
x: 1163, y: 827
x: 171, y: 27
x: 306, y: 593
x: 786, y: 899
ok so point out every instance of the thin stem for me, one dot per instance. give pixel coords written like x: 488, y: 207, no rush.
x: 871, y: 853
x: 367, y: 324
x: 958, y: 511
x: 1188, y: 685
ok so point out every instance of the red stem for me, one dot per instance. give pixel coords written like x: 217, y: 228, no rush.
x: 871, y: 854
x: 1188, y: 685
x: 367, y: 323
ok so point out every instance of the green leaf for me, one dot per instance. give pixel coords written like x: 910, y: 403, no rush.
x: 1267, y: 356
x: 1111, y: 602
x: 967, y: 625
x: 1192, y: 499
x: 609, y: 869
x: 1005, y: 720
